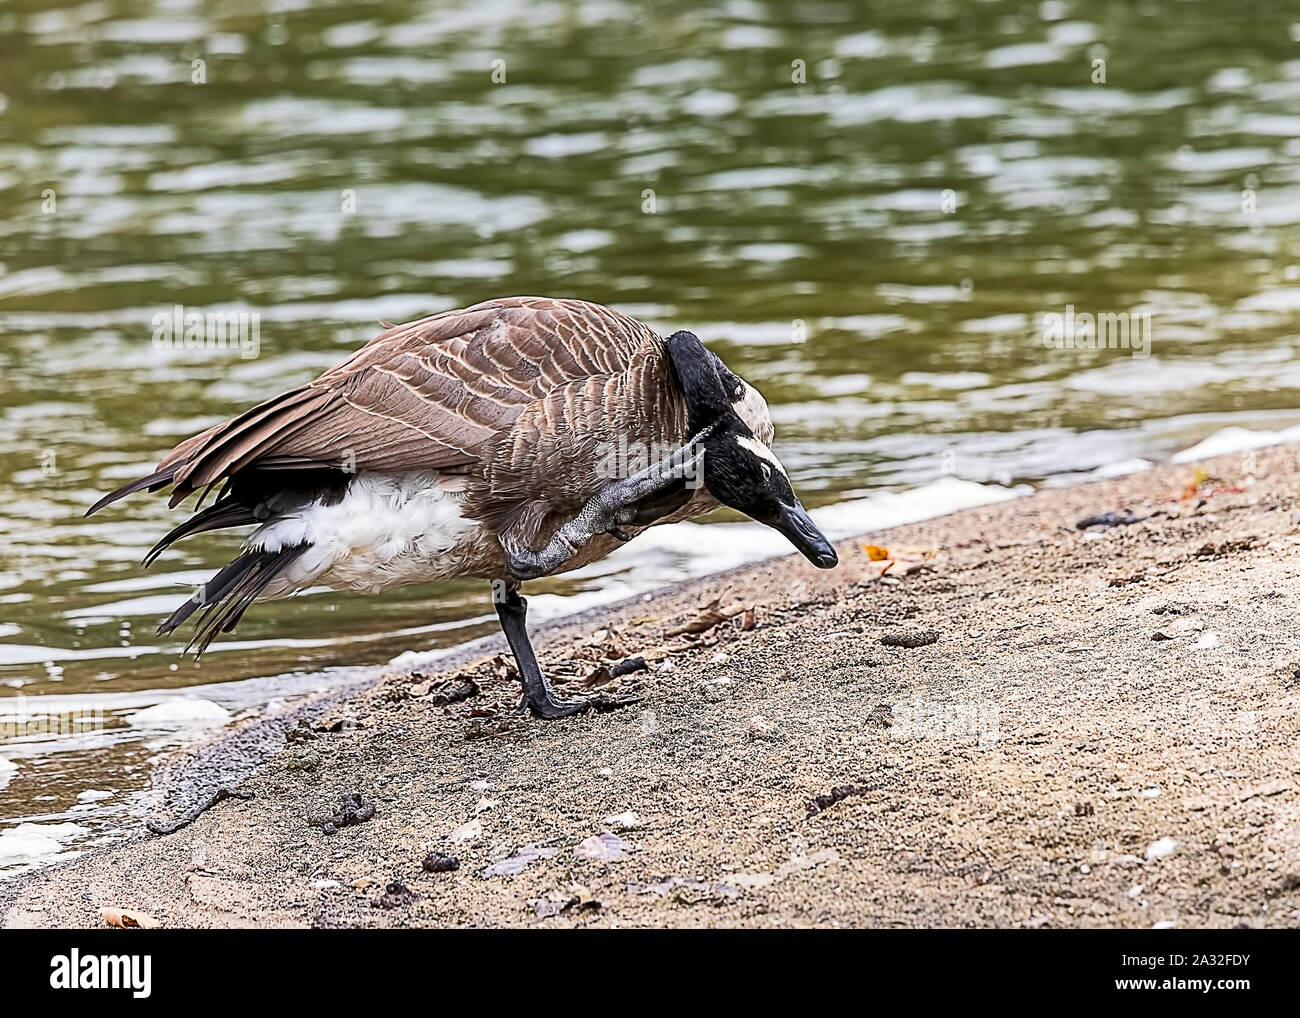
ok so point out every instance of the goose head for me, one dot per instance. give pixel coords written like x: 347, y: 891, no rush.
x: 739, y: 468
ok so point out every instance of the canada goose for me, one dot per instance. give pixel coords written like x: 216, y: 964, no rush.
x: 513, y: 439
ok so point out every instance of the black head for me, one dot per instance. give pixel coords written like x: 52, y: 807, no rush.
x: 740, y: 470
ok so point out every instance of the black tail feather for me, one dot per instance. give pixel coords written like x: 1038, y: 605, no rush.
x: 226, y: 597
x: 217, y: 516
x: 246, y: 498
x: 214, y: 590
x: 158, y: 479
x: 222, y: 615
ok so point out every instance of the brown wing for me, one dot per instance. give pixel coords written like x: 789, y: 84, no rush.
x: 430, y: 394
x: 582, y: 434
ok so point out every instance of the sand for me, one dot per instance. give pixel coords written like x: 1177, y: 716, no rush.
x: 1035, y: 726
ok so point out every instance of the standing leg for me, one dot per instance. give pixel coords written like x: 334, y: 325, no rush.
x: 539, y: 697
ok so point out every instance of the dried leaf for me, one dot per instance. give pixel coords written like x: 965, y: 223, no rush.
x: 582, y: 896
x: 876, y: 553
x: 914, y: 551
x: 710, y: 615
x: 130, y: 919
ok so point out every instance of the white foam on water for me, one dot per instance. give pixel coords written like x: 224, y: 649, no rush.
x: 1235, y: 439
x: 28, y: 842
x: 180, y: 712
x: 1122, y: 467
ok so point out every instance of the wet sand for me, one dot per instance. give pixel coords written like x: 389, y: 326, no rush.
x: 1019, y: 724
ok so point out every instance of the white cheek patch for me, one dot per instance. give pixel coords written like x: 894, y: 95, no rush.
x: 751, y: 408
x: 760, y: 450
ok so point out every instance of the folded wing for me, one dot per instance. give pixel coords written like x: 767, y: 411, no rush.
x: 432, y: 394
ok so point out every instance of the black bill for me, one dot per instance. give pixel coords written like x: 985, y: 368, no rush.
x: 798, y: 527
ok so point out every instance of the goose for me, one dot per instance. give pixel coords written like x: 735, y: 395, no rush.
x: 517, y: 438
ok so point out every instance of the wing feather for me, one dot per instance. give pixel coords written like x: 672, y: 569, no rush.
x: 431, y: 394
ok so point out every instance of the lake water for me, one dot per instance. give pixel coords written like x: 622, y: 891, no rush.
x: 872, y: 211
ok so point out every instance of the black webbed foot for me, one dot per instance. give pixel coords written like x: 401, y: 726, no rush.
x: 539, y: 698
x: 547, y: 706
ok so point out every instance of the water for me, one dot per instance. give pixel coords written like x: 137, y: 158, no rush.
x: 875, y: 246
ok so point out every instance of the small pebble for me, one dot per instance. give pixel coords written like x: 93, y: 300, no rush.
x: 436, y: 862
x: 628, y: 821
x: 603, y: 847
x: 395, y: 895
x: 911, y: 638
x: 352, y: 809
x: 308, y: 761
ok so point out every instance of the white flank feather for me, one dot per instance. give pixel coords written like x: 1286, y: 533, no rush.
x: 387, y: 530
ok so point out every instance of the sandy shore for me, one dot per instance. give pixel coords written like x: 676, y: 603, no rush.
x: 1020, y: 724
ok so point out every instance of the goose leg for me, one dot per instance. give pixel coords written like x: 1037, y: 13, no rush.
x: 539, y: 698
x: 618, y: 504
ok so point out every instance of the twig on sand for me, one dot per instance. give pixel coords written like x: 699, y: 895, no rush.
x: 189, y: 818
